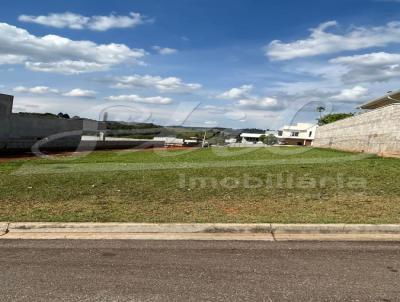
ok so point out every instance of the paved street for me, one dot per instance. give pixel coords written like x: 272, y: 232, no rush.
x: 63, y: 270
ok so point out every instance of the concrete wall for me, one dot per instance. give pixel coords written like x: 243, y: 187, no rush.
x: 21, y: 132
x: 376, y: 131
x: 25, y: 131
x: 6, y: 103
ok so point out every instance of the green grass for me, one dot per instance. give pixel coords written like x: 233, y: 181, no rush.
x: 299, y: 186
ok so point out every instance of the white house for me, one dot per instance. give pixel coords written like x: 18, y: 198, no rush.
x: 301, y: 134
x: 254, y: 138
x: 251, y: 138
x: 231, y: 141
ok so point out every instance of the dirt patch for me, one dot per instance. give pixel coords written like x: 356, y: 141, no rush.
x: 177, y: 148
x: 8, y: 158
x: 30, y: 156
x: 393, y: 155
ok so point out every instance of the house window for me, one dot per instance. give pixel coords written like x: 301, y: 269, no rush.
x: 310, y: 134
x: 280, y: 133
x: 295, y: 133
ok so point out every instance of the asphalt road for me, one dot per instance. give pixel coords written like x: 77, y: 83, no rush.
x: 62, y: 270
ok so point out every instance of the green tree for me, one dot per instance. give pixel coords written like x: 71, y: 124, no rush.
x: 63, y: 115
x: 320, y: 109
x: 333, y: 117
x: 272, y: 140
x: 269, y: 140
x: 263, y: 138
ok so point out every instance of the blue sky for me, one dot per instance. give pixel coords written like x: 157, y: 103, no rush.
x: 230, y: 63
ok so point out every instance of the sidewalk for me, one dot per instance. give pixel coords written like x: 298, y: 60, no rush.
x: 147, y: 231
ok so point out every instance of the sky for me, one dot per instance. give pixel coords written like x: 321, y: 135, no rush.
x: 209, y: 63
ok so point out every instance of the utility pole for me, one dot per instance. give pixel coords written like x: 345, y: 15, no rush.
x: 320, y: 109
x: 204, y: 139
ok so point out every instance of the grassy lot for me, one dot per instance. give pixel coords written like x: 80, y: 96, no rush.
x: 287, y: 185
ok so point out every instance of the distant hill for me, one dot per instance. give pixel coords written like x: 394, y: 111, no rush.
x: 215, y: 135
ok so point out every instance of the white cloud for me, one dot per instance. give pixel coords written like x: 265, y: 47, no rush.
x: 80, y: 93
x: 102, y: 23
x: 35, y: 90
x: 245, y: 100
x: 214, y: 109
x: 373, y: 67
x: 158, y: 100
x: 11, y: 59
x: 169, y: 84
x: 66, y: 67
x: 53, y: 104
x: 54, y: 53
x: 266, y: 103
x: 69, y: 20
x: 321, y: 41
x: 352, y: 94
x: 77, y: 92
x: 165, y: 50
x: 76, y: 21
x: 236, y: 93
x: 371, y: 59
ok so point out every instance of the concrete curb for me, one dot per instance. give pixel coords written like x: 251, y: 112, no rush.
x: 88, y: 227
x: 55, y: 227
x: 194, y: 231
x: 336, y: 228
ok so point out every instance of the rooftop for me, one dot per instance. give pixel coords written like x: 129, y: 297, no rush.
x: 256, y: 135
x: 299, y: 126
x: 388, y: 99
